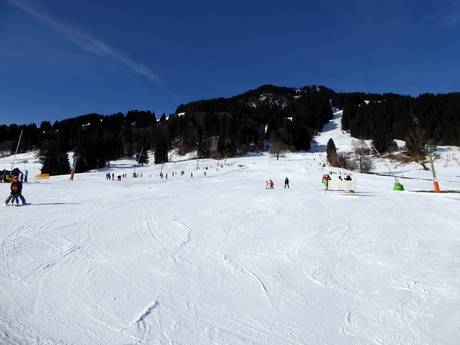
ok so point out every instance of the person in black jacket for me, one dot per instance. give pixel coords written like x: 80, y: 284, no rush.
x: 286, y: 183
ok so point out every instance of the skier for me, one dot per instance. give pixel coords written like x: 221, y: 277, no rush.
x: 267, y: 184
x: 348, y: 178
x: 325, y: 180
x: 286, y: 183
x: 272, y: 185
x: 16, y: 191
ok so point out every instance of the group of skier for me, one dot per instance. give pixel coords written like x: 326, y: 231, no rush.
x: 7, y: 176
x: 163, y: 175
x: 17, y: 179
x: 269, y: 184
x: 326, y: 178
x: 16, y: 190
x: 111, y: 176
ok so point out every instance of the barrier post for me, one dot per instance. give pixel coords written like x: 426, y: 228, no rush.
x: 435, y: 180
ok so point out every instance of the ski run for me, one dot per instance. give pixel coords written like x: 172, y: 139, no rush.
x: 219, y: 259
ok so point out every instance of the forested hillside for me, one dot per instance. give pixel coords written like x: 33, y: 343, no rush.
x: 269, y: 117
x: 427, y: 118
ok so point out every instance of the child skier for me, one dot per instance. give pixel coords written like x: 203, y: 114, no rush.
x: 15, y: 192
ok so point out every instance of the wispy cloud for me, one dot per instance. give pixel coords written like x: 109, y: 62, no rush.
x: 451, y: 20
x: 85, y: 41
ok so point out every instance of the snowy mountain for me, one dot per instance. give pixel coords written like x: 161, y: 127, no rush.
x: 218, y: 259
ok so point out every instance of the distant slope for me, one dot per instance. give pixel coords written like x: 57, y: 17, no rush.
x: 333, y: 130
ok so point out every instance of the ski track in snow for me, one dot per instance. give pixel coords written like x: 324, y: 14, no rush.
x: 140, y: 319
x: 220, y: 260
x: 251, y: 274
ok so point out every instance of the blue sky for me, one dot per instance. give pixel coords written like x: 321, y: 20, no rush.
x: 65, y: 58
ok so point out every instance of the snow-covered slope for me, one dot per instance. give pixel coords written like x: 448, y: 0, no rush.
x: 333, y: 130
x: 446, y: 158
x: 218, y: 259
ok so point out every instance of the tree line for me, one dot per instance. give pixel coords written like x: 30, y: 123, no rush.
x: 223, y: 127
x: 427, y: 118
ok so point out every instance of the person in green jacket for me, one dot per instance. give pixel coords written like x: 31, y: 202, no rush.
x: 325, y: 180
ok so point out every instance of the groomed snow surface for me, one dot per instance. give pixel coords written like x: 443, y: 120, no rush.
x: 218, y: 259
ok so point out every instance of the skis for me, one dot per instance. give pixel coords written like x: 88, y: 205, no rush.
x: 18, y: 205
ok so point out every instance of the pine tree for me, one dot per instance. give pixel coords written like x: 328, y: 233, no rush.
x: 161, y: 149
x: 382, y: 142
x: 55, y: 159
x: 142, y: 157
x: 332, y: 156
x: 203, y: 145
